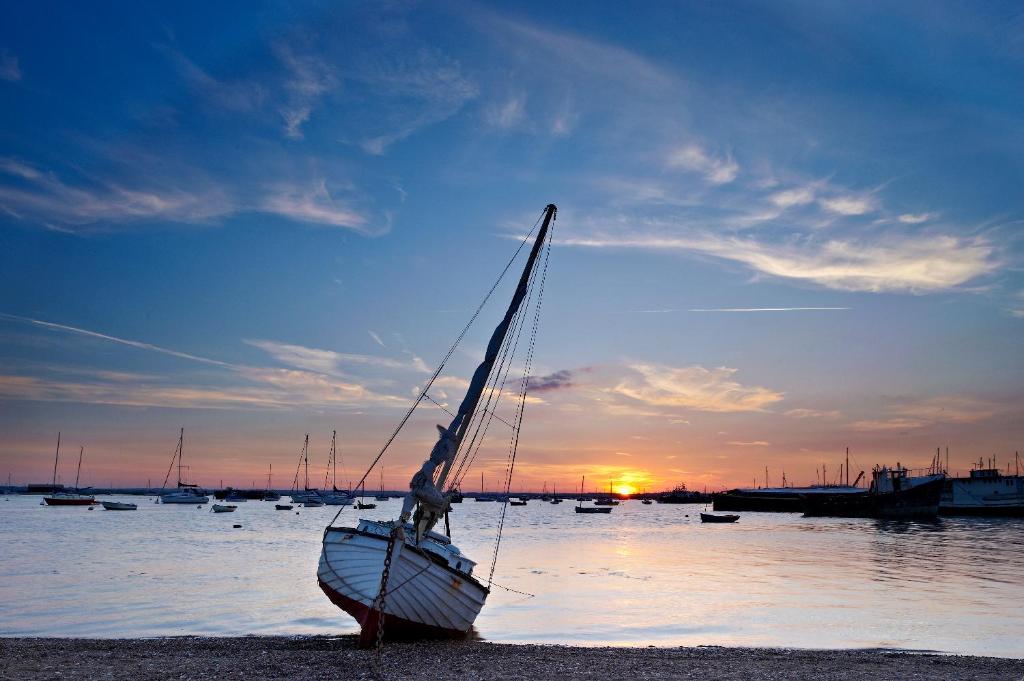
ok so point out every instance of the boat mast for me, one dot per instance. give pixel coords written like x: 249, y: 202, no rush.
x: 334, y: 461
x: 56, y: 457
x: 427, y: 487
x: 79, y: 471
x: 181, y: 450
x: 460, y: 424
x: 305, y: 458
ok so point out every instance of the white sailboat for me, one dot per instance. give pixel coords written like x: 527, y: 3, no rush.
x: 184, y: 493
x: 335, y: 497
x: 402, y: 575
x: 306, y: 493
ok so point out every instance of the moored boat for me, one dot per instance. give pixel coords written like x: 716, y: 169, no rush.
x: 596, y: 508
x: 712, y: 518
x: 72, y: 498
x: 118, y: 506
x: 986, y: 491
x: 185, y: 493
x: 283, y: 507
x: 894, y: 493
x: 223, y: 508
x: 403, y: 575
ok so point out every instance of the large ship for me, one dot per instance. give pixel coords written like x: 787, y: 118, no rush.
x: 776, y: 499
x: 986, y: 491
x: 894, y: 493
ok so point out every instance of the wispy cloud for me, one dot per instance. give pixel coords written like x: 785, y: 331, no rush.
x: 238, y: 96
x: 916, y: 218
x: 848, y: 205
x: 887, y: 424
x: 811, y: 414
x: 309, y: 78
x: 9, y: 68
x: 35, y: 194
x: 313, y: 204
x: 752, y: 443
x: 507, y: 114
x: 331, y: 362
x: 113, y: 339
x: 1017, y: 306
x: 919, y: 413
x: 915, y: 264
x: 950, y: 409
x: 694, y: 387
x: 797, y: 196
x: 415, y: 90
x: 42, y: 195
x: 376, y: 338
x: 716, y: 170
x: 313, y: 383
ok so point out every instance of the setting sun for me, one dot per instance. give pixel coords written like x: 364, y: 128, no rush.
x: 625, y: 490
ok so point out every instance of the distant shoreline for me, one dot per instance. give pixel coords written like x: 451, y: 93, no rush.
x: 316, y: 657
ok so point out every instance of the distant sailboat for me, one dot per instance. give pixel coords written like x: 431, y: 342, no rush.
x: 335, y: 497
x: 381, y: 496
x: 185, y: 493
x: 306, y: 494
x: 580, y: 508
x: 269, y: 494
x: 483, y: 496
x: 74, y: 498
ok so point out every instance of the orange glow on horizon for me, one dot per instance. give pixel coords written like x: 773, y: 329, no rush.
x: 625, y: 490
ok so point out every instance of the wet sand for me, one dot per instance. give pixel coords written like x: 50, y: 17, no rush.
x: 256, y: 657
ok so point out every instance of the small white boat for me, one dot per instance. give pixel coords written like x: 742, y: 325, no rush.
x: 184, y: 498
x: 223, y: 508
x: 119, y: 506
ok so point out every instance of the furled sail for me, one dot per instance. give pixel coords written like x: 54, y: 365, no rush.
x: 424, y: 488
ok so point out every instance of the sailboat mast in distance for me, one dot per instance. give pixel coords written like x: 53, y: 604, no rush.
x: 56, y: 458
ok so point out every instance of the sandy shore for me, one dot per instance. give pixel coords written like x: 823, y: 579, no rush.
x: 307, y: 658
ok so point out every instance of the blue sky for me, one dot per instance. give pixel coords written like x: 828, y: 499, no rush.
x: 258, y: 221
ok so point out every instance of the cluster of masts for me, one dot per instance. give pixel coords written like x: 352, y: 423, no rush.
x: 938, y: 464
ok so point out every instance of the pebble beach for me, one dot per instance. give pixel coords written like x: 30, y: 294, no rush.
x: 318, y: 657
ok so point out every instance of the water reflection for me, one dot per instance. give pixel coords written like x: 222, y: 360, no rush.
x: 645, y: 574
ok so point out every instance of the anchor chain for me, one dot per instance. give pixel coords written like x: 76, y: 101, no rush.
x: 378, y: 604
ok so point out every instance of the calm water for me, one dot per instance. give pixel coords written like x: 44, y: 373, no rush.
x: 644, y: 575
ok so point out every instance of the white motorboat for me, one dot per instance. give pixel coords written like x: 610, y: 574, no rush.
x: 118, y: 506
x: 401, y: 574
x: 223, y: 508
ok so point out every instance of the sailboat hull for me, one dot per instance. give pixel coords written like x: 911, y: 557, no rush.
x: 426, y: 598
x: 70, y: 500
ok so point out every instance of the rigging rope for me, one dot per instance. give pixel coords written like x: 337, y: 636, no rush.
x: 444, y: 361
x: 514, y: 445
